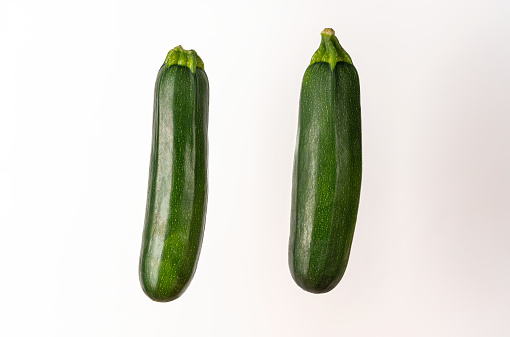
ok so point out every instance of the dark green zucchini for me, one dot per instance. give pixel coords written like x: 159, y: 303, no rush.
x: 327, y: 169
x: 177, y: 194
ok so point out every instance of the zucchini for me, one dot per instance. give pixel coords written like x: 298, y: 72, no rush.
x: 177, y: 193
x: 327, y: 169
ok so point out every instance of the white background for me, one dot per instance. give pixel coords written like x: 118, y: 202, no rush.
x: 431, y: 251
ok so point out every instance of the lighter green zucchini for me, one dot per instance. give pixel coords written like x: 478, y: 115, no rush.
x: 327, y: 169
x: 177, y: 193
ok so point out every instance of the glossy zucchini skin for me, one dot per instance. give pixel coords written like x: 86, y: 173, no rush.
x: 177, y: 193
x: 326, y: 176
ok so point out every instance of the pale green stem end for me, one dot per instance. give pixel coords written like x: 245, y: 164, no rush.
x: 330, y: 50
x: 183, y: 57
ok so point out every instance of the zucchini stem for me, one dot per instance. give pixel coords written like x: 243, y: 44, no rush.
x: 183, y: 57
x: 330, y: 50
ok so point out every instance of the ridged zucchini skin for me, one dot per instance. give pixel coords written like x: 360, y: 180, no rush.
x: 177, y: 193
x: 327, y: 174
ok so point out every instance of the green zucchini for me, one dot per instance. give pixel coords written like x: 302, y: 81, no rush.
x: 177, y: 193
x: 327, y: 169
